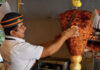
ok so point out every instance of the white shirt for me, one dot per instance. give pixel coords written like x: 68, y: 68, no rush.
x: 19, y: 55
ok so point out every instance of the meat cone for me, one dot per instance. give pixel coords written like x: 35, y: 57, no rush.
x: 76, y: 45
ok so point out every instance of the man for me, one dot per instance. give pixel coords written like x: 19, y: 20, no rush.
x: 21, y: 55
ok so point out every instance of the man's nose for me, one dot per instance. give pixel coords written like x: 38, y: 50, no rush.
x: 24, y: 27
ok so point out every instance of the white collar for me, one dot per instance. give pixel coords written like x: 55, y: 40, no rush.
x: 16, y: 38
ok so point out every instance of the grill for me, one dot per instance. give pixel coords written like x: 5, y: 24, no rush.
x: 54, y: 64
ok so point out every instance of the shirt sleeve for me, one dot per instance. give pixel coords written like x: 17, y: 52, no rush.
x: 27, y: 51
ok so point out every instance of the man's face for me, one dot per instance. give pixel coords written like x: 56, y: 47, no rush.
x: 20, y: 31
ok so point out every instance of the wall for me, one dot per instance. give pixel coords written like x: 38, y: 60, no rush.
x: 42, y: 19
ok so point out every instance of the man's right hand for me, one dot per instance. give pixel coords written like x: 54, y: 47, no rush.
x: 71, y: 32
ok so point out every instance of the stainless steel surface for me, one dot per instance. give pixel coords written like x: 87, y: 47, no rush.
x: 87, y: 63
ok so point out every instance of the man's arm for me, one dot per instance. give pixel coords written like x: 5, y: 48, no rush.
x: 53, y: 46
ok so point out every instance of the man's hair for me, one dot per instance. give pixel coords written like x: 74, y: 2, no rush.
x: 7, y: 30
x: 7, y: 17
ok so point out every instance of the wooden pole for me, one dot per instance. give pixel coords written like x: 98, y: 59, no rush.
x: 18, y: 8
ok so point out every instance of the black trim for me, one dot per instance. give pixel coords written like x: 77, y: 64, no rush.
x: 9, y: 39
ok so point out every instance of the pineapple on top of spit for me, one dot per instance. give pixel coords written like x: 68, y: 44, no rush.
x: 76, y: 3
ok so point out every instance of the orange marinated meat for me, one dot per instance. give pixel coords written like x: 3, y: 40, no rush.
x: 94, y: 45
x: 81, y: 19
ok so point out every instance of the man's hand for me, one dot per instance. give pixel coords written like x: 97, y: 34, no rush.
x: 71, y: 32
x: 74, y: 30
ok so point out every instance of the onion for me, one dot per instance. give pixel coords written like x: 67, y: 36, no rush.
x: 76, y: 59
x: 75, y: 66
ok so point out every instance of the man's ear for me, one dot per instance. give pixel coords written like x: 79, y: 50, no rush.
x: 12, y: 33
